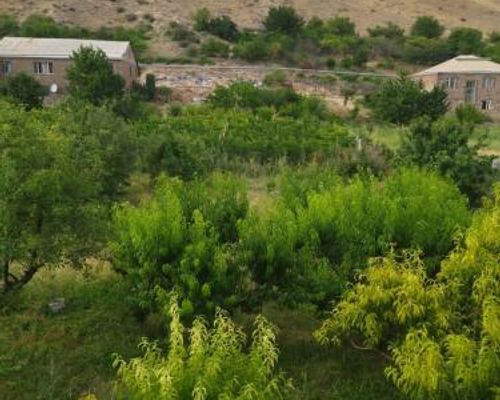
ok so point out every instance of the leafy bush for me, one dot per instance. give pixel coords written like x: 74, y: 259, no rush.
x: 8, y: 25
x: 176, y: 242
x: 402, y: 100
x: 341, y: 26
x: 215, y: 48
x: 223, y: 27
x: 23, y: 89
x: 252, y: 49
x: 388, y: 31
x: 308, y: 246
x: 246, y: 95
x: 421, y: 50
x: 442, y: 334
x: 214, y: 364
x: 283, y: 19
x: 202, y: 19
x: 181, y: 33
x: 444, y: 146
x: 428, y: 27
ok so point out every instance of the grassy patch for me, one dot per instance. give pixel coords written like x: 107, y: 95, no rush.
x: 61, y: 356
x: 67, y: 355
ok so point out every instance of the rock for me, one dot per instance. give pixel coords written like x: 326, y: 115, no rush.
x: 496, y: 164
x: 57, y: 305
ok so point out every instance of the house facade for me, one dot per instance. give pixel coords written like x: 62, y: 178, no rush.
x: 467, y: 80
x: 47, y: 59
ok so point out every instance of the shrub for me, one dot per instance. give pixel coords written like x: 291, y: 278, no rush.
x: 402, y: 100
x: 442, y: 334
x: 420, y: 50
x: 276, y: 78
x: 252, y: 49
x: 283, y: 19
x: 331, y: 63
x: 388, y: 31
x: 224, y: 28
x: 41, y: 26
x: 8, y: 25
x: 466, y: 41
x: 202, y: 19
x: 246, y: 95
x: 341, y: 26
x: 178, y: 241
x: 444, y: 146
x: 428, y: 27
x: 150, y: 87
x: 23, y: 89
x: 215, y: 48
x: 181, y: 33
x: 214, y: 364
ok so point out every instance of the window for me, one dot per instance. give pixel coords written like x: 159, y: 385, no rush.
x: 43, y: 68
x: 451, y: 82
x: 489, y: 83
x: 5, y: 67
x: 487, y: 105
x: 470, y: 92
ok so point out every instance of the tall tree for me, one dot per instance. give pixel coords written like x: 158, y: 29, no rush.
x: 50, y: 209
x: 402, y: 100
x: 443, y: 145
x: 91, y: 77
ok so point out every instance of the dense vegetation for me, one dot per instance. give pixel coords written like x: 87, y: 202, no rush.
x: 259, y: 196
x: 285, y: 37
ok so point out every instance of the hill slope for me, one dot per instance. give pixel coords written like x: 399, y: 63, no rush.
x: 482, y: 14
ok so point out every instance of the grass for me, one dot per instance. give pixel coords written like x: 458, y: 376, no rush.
x: 68, y: 355
x: 391, y: 136
x: 63, y: 356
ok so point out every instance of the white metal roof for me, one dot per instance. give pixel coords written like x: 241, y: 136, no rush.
x: 57, y: 48
x: 466, y: 64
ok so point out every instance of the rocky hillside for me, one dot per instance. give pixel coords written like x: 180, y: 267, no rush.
x: 482, y: 14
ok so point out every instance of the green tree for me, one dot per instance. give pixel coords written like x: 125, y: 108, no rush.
x: 23, y: 89
x: 442, y: 335
x: 341, y: 26
x: 428, y: 27
x: 212, y: 365
x: 388, y: 31
x: 283, y: 19
x: 202, y: 19
x: 223, y: 27
x: 8, y: 25
x: 466, y: 41
x: 443, y: 145
x: 91, y: 77
x: 50, y: 208
x: 181, y: 240
x: 402, y: 100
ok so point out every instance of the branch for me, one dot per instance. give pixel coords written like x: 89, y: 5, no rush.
x: 358, y: 347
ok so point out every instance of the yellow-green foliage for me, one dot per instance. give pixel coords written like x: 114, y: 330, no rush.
x: 215, y: 364
x: 445, y: 333
x: 181, y: 240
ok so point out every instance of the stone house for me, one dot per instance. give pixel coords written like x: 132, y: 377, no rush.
x: 468, y: 80
x: 47, y: 59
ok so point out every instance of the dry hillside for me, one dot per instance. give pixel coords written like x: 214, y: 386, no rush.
x: 483, y: 14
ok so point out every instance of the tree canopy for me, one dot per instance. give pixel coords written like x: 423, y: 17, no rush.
x: 91, y: 77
